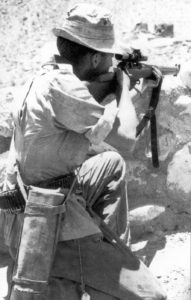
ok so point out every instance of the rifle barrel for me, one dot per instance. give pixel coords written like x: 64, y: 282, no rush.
x: 169, y: 70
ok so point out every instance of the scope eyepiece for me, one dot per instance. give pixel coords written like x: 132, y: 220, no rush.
x: 134, y: 57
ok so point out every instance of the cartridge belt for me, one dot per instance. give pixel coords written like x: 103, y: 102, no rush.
x: 13, y: 202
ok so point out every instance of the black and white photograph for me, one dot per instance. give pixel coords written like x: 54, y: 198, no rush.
x: 95, y: 150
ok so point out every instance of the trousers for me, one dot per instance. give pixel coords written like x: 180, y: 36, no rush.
x: 103, y: 184
x: 102, y: 180
x: 93, y: 264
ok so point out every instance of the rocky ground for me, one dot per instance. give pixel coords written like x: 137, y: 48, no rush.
x: 161, y: 232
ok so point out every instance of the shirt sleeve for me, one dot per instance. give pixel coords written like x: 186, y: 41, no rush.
x: 74, y: 108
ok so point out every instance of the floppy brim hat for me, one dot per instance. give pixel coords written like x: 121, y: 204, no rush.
x: 90, y: 26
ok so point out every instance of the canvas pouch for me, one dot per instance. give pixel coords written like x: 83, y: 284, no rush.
x: 41, y: 226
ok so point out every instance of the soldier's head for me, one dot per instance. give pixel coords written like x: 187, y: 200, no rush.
x: 87, y: 39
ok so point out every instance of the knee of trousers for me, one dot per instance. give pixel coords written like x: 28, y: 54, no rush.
x: 114, y: 163
x: 116, y: 160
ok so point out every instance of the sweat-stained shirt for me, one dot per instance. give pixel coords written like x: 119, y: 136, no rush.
x: 57, y: 121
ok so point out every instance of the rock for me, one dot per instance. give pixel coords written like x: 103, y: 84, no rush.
x: 179, y: 175
x: 141, y: 219
x: 156, y: 219
x: 141, y: 27
x: 139, y: 216
x: 164, y: 30
x: 173, y: 115
x: 185, y: 74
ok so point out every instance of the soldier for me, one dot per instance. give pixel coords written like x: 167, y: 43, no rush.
x: 59, y: 119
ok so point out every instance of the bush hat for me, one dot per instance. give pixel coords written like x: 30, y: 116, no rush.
x: 91, y: 26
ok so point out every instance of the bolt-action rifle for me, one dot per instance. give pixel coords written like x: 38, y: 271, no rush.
x: 133, y: 64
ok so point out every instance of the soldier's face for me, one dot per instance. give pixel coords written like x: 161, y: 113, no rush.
x: 106, y: 61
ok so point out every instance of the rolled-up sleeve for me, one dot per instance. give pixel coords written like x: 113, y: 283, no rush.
x: 74, y: 108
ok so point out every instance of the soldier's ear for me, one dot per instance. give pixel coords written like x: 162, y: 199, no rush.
x: 96, y: 59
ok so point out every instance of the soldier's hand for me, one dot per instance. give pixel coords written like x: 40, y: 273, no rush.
x: 122, y: 80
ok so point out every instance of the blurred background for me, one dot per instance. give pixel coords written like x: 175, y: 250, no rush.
x: 25, y: 30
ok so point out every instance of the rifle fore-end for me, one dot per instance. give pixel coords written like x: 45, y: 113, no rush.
x: 145, y: 71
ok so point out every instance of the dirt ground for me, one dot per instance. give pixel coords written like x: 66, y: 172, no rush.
x: 25, y: 28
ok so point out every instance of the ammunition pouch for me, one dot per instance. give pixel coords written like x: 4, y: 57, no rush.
x: 42, y: 217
